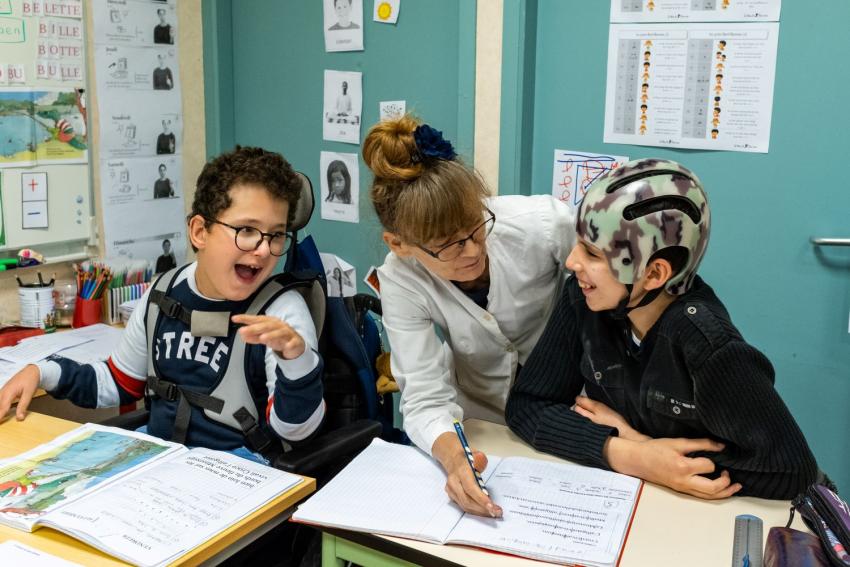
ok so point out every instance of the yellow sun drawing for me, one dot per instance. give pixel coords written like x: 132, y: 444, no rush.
x: 385, y: 10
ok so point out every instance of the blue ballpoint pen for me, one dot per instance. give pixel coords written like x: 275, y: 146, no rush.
x: 465, y: 444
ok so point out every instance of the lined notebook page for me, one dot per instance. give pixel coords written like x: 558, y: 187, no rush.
x: 389, y: 489
x: 557, y: 512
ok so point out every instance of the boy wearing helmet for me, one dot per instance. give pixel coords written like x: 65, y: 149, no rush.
x: 674, y: 395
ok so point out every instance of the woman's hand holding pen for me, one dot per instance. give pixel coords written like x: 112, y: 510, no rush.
x: 22, y: 386
x: 461, y: 485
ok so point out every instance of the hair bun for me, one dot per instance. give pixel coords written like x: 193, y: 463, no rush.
x: 389, y: 149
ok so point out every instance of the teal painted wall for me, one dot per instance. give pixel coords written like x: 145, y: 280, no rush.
x: 265, y: 62
x: 789, y: 299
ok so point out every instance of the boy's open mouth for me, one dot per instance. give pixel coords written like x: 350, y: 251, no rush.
x: 247, y: 273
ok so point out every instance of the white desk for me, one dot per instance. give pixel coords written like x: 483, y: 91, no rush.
x: 668, y: 529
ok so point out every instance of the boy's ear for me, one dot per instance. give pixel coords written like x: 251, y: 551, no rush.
x: 396, y: 245
x: 198, y: 232
x: 657, y: 273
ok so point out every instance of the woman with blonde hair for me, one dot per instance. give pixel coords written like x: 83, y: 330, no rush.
x: 466, y: 288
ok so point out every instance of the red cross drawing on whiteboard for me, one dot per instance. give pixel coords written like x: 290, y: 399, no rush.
x: 33, y: 184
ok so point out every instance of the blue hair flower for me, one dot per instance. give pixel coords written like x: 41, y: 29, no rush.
x: 431, y: 144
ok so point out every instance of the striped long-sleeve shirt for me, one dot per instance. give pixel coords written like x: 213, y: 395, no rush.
x: 292, y: 388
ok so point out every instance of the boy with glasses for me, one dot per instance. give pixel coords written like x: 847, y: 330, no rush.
x: 465, y: 289
x: 238, y: 228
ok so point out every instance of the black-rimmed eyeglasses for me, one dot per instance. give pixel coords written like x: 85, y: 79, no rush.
x: 452, y: 250
x: 248, y: 238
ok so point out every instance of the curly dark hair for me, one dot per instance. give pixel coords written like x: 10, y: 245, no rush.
x: 244, y: 165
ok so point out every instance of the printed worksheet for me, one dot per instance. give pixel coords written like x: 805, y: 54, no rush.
x: 120, y: 69
x: 129, y: 127
x: 623, y: 11
x: 145, y: 200
x: 553, y: 511
x: 136, y: 22
x: 137, y: 72
x: 699, y: 86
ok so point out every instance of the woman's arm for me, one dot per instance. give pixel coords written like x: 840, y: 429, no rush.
x: 428, y: 396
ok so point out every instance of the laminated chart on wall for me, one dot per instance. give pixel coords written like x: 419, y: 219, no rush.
x: 141, y: 128
x: 42, y: 126
x: 698, y: 86
x: 623, y: 11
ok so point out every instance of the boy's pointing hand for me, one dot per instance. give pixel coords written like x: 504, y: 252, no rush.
x: 272, y: 332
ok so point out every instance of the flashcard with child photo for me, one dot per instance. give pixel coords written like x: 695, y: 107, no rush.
x: 340, y: 182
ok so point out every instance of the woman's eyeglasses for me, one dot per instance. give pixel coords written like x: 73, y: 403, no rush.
x: 452, y: 250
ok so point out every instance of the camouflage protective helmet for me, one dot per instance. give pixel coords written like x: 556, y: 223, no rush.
x: 641, y: 207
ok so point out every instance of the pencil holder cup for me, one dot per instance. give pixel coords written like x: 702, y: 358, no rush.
x: 36, y: 304
x: 64, y: 299
x: 87, y: 312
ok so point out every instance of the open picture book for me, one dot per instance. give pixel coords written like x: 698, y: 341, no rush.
x: 136, y: 497
x: 553, y: 511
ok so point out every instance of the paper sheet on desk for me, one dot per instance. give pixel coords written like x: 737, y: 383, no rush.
x: 7, y: 370
x: 29, y: 350
x: 103, y: 340
x: 16, y: 553
x: 85, y: 345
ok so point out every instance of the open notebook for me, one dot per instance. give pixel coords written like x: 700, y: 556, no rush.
x: 555, y: 512
x: 139, y: 498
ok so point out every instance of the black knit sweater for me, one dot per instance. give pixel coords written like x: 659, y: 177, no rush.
x: 694, y: 376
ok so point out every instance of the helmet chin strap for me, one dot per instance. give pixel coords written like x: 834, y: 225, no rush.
x: 622, y: 310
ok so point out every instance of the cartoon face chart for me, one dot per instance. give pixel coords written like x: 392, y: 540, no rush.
x: 645, y: 11
x: 701, y: 86
x: 136, y: 23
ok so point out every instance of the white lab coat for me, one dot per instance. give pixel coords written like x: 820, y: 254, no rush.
x: 469, y: 373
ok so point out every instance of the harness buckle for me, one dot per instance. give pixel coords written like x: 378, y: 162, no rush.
x: 170, y: 307
x: 172, y: 392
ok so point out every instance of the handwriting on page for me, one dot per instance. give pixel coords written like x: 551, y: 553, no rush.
x: 555, y: 509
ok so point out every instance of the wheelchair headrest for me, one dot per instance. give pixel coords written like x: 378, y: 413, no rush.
x: 306, y: 203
